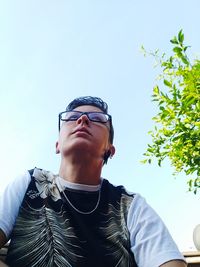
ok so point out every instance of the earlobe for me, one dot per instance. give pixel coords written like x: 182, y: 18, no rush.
x: 57, y: 148
x: 108, y: 154
x: 112, y: 151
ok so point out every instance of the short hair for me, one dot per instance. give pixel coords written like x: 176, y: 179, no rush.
x: 92, y: 101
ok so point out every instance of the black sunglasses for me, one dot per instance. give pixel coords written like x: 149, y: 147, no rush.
x: 75, y: 115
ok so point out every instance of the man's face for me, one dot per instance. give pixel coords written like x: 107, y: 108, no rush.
x: 83, y: 136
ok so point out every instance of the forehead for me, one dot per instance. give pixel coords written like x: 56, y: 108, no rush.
x: 88, y: 108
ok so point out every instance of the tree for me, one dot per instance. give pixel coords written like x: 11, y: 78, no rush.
x: 176, y: 134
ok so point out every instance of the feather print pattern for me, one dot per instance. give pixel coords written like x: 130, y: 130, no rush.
x: 49, y: 233
x: 44, y: 240
x: 116, y: 233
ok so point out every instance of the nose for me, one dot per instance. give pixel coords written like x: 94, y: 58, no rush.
x: 83, y: 119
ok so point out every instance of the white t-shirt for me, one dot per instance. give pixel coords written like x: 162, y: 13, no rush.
x: 148, y: 234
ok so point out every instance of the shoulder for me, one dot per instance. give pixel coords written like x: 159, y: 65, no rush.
x: 19, y: 183
x: 118, y: 195
x: 149, y: 232
x: 141, y: 212
x: 11, y: 199
x: 117, y: 188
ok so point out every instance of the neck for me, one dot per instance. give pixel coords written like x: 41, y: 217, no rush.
x: 78, y: 172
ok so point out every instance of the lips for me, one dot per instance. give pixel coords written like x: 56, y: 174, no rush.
x: 81, y: 130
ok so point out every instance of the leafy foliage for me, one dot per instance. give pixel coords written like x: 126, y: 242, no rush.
x: 177, y: 124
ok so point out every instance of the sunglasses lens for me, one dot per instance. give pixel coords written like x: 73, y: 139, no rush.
x: 75, y: 115
x: 97, y: 116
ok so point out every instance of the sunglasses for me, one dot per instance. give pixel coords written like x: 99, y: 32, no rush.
x: 75, y: 115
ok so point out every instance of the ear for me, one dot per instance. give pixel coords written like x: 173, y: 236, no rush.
x: 112, y: 151
x: 57, y: 148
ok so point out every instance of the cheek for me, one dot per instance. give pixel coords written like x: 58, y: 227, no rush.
x: 63, y: 136
x: 102, y: 137
x: 64, y: 131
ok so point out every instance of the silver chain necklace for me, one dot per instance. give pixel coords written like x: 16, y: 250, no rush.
x: 76, y: 209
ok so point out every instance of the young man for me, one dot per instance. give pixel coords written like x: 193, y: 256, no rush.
x: 77, y: 218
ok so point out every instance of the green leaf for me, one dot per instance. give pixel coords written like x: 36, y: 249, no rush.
x: 144, y: 161
x: 156, y: 90
x: 143, y: 50
x: 167, y: 83
x: 181, y: 36
x: 159, y: 162
x: 174, y: 40
x: 190, y: 183
x: 186, y: 47
x: 185, y: 61
x: 161, y: 108
x: 190, y: 100
x: 177, y: 49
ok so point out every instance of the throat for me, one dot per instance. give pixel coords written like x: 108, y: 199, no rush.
x: 80, y: 177
x: 80, y: 174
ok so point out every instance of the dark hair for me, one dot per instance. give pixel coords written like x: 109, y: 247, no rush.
x: 92, y: 101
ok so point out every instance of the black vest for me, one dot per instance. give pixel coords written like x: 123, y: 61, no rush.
x: 48, y: 232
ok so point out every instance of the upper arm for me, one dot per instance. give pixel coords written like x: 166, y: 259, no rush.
x: 151, y: 242
x: 175, y: 263
x: 10, y: 201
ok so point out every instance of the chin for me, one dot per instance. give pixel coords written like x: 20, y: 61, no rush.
x: 78, y: 147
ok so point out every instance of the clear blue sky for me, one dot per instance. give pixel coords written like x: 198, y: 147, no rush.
x: 54, y: 51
